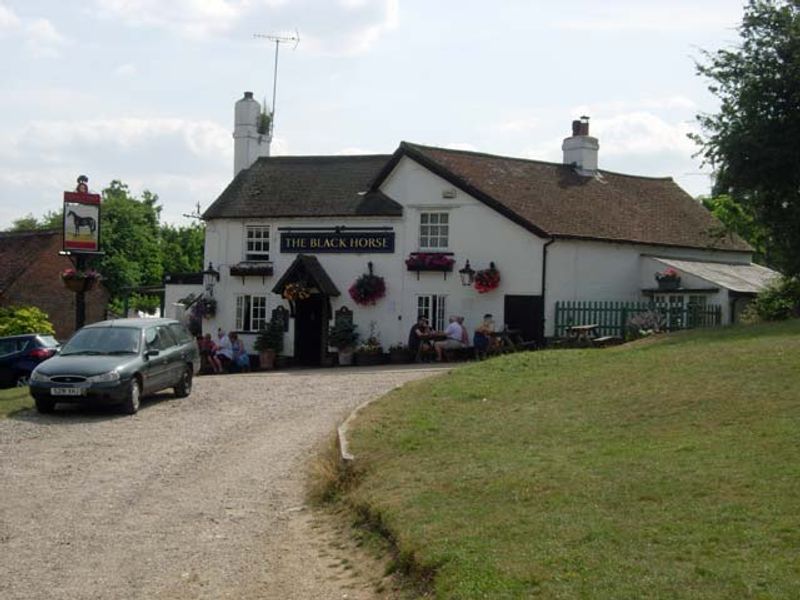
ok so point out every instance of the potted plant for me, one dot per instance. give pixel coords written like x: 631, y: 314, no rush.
x: 79, y: 281
x: 399, y: 354
x: 370, y: 352
x: 269, y: 343
x: 204, y: 308
x: 430, y: 261
x: 368, y: 288
x: 668, y: 279
x: 343, y: 336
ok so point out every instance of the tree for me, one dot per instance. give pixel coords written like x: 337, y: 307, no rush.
x: 753, y: 142
x: 52, y: 219
x: 182, y: 248
x: 15, y: 320
x: 741, y: 220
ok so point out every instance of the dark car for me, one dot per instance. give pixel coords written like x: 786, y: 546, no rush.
x: 117, y: 362
x: 19, y: 355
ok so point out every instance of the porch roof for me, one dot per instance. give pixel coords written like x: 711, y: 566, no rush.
x: 748, y: 278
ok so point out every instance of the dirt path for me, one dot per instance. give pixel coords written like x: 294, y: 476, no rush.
x: 195, y: 498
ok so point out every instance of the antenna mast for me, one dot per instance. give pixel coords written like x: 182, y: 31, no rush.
x: 278, y: 39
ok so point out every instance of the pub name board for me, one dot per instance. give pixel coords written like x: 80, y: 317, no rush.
x: 319, y: 242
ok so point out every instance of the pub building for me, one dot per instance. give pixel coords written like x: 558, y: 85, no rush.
x: 450, y: 232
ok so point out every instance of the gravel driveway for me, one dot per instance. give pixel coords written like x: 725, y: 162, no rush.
x: 195, y: 498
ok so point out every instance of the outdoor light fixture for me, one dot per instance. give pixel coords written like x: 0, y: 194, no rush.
x: 467, y: 274
x: 210, y: 277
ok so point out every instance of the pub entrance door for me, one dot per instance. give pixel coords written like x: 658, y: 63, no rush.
x: 309, y: 321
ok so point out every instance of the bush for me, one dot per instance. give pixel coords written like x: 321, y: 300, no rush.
x: 24, y: 319
x: 643, y: 324
x: 778, y: 302
x: 270, y: 338
x: 343, y: 335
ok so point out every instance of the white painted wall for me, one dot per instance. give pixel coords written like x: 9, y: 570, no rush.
x: 173, y: 293
x: 477, y: 233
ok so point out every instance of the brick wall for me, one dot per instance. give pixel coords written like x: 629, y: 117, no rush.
x: 40, y: 285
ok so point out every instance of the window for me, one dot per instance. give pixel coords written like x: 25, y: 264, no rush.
x: 158, y: 338
x: 434, y: 230
x: 251, y: 313
x: 432, y: 308
x: 256, y: 242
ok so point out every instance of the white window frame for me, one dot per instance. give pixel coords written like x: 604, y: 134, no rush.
x: 251, y: 312
x: 256, y: 247
x: 434, y: 236
x: 433, y: 307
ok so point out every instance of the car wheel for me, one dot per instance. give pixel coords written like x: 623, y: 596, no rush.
x: 44, y: 405
x: 184, y: 387
x: 130, y: 406
x: 23, y: 380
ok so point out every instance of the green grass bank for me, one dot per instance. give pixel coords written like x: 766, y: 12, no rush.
x: 13, y: 400
x: 669, y: 468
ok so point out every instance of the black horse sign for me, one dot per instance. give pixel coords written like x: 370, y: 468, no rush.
x: 81, y: 219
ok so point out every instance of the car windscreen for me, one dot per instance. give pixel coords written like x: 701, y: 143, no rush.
x: 48, y: 341
x: 103, y: 340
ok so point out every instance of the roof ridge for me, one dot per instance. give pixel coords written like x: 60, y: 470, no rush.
x: 306, y: 157
x: 475, y: 153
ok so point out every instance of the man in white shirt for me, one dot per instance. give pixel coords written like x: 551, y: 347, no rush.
x: 454, y: 334
x: 224, y: 349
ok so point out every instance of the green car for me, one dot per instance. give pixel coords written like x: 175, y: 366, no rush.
x: 117, y: 362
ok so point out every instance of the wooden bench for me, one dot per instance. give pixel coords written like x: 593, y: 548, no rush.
x: 607, y: 340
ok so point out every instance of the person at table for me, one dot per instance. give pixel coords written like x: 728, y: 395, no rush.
x: 452, y: 339
x: 208, y: 352
x: 464, y: 334
x: 483, y: 340
x: 240, y: 358
x: 224, y: 350
x: 418, y: 338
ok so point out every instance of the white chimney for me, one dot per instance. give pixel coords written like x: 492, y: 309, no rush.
x: 580, y: 150
x: 248, y: 143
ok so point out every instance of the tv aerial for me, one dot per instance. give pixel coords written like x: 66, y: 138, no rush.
x: 278, y: 40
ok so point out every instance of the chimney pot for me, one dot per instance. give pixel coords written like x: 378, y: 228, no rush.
x: 248, y: 95
x: 576, y: 127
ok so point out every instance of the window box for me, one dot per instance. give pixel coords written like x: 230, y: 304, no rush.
x: 252, y: 269
x: 430, y: 261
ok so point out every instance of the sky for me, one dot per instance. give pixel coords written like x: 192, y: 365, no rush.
x: 143, y: 91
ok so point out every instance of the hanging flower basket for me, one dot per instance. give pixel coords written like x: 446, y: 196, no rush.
x: 204, y: 308
x: 430, y: 261
x: 487, y: 280
x: 296, y: 291
x: 669, y: 279
x: 368, y: 288
x: 79, y: 281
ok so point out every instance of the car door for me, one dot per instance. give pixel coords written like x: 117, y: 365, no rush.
x: 156, y: 372
x: 172, y: 351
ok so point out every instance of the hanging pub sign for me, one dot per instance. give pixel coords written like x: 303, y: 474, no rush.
x: 345, y: 241
x: 82, y: 219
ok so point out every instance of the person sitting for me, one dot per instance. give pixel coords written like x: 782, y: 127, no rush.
x: 418, y: 338
x: 224, y: 351
x: 483, y: 340
x: 208, y: 351
x: 453, y: 336
x: 464, y: 334
x: 241, y: 360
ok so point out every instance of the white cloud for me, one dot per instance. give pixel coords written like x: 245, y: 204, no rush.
x: 43, y: 39
x: 643, y: 16
x: 8, y: 19
x: 519, y: 125
x: 126, y: 70
x: 194, y: 18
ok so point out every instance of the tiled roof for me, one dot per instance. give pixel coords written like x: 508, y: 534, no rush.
x: 747, y: 278
x: 305, y: 186
x: 18, y: 250
x: 307, y: 268
x: 551, y: 199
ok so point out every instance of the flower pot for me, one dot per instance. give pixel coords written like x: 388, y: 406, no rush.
x: 669, y: 283
x: 399, y: 357
x: 79, y: 284
x: 368, y: 359
x: 267, y: 359
x: 345, y: 357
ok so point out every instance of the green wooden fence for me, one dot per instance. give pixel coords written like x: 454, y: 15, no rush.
x: 611, y: 317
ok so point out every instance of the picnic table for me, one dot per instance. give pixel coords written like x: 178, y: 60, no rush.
x: 582, y: 333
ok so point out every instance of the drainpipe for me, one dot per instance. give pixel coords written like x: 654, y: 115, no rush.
x: 544, y: 283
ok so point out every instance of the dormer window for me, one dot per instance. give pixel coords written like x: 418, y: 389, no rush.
x: 256, y: 243
x: 434, y: 230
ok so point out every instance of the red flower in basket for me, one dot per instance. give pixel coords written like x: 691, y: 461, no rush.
x: 487, y: 280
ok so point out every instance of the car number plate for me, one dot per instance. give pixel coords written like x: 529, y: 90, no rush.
x: 66, y: 391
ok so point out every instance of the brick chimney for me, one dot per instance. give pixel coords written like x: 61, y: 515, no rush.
x: 580, y: 150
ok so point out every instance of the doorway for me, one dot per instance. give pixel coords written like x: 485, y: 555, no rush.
x: 309, y: 321
x: 525, y: 313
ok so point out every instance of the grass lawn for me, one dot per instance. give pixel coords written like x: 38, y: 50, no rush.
x: 662, y: 469
x: 13, y: 400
